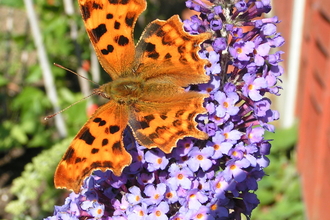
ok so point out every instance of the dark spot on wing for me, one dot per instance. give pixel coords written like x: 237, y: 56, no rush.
x: 160, y: 33
x: 177, y: 123
x: 109, y: 16
x: 107, y: 164
x: 161, y: 130
x: 191, y: 116
x: 87, y: 136
x: 79, y: 159
x: 98, y: 32
x: 105, y: 142
x: 191, y: 127
x: 179, y: 113
x: 167, y: 40
x: 149, y: 118
x: 183, y: 60
x: 121, y: 40
x: 96, y: 6
x: 96, y: 164
x: 151, y: 50
x: 109, y: 49
x: 97, y: 120
x: 144, y: 124
x: 94, y: 150
x: 129, y: 19
x: 194, y: 56
x: 68, y: 154
x: 114, y: 129
x: 168, y: 56
x: 150, y: 47
x: 185, y: 38
x: 153, y: 136
x: 100, y: 121
x: 85, y: 12
x: 117, y: 25
x: 181, y: 49
x: 180, y: 133
x: 164, y: 116
x: 117, y: 146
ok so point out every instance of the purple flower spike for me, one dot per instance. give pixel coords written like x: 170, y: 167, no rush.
x: 242, y: 50
x: 203, y: 179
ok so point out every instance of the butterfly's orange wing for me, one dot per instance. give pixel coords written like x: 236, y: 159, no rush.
x: 98, y: 145
x: 166, y: 51
x: 110, y: 25
x: 174, y: 120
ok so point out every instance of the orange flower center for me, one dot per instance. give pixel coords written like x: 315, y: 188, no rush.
x: 141, y: 213
x: 169, y: 195
x: 158, y: 213
x: 214, y: 207
x: 199, y: 216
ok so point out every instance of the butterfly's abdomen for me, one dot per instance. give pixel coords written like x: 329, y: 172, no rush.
x: 124, y: 90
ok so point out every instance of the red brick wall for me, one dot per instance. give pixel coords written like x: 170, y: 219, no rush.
x: 313, y: 101
x: 313, y: 110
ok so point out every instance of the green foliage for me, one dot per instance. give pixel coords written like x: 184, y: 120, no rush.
x: 34, y: 188
x: 11, y: 3
x: 279, y: 192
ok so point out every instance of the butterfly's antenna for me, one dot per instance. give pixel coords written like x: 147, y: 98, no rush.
x: 71, y: 71
x: 50, y: 116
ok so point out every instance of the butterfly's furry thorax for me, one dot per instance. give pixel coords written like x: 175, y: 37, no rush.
x: 123, y: 90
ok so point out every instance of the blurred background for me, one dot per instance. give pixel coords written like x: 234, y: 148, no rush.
x: 34, y: 34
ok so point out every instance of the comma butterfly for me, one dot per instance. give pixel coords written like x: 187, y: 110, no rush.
x: 146, y: 93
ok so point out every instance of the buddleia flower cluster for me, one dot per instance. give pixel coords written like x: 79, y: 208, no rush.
x: 217, y: 178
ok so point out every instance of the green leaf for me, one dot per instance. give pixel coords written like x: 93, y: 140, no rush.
x: 3, y: 80
x: 34, y: 189
x: 18, y: 134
